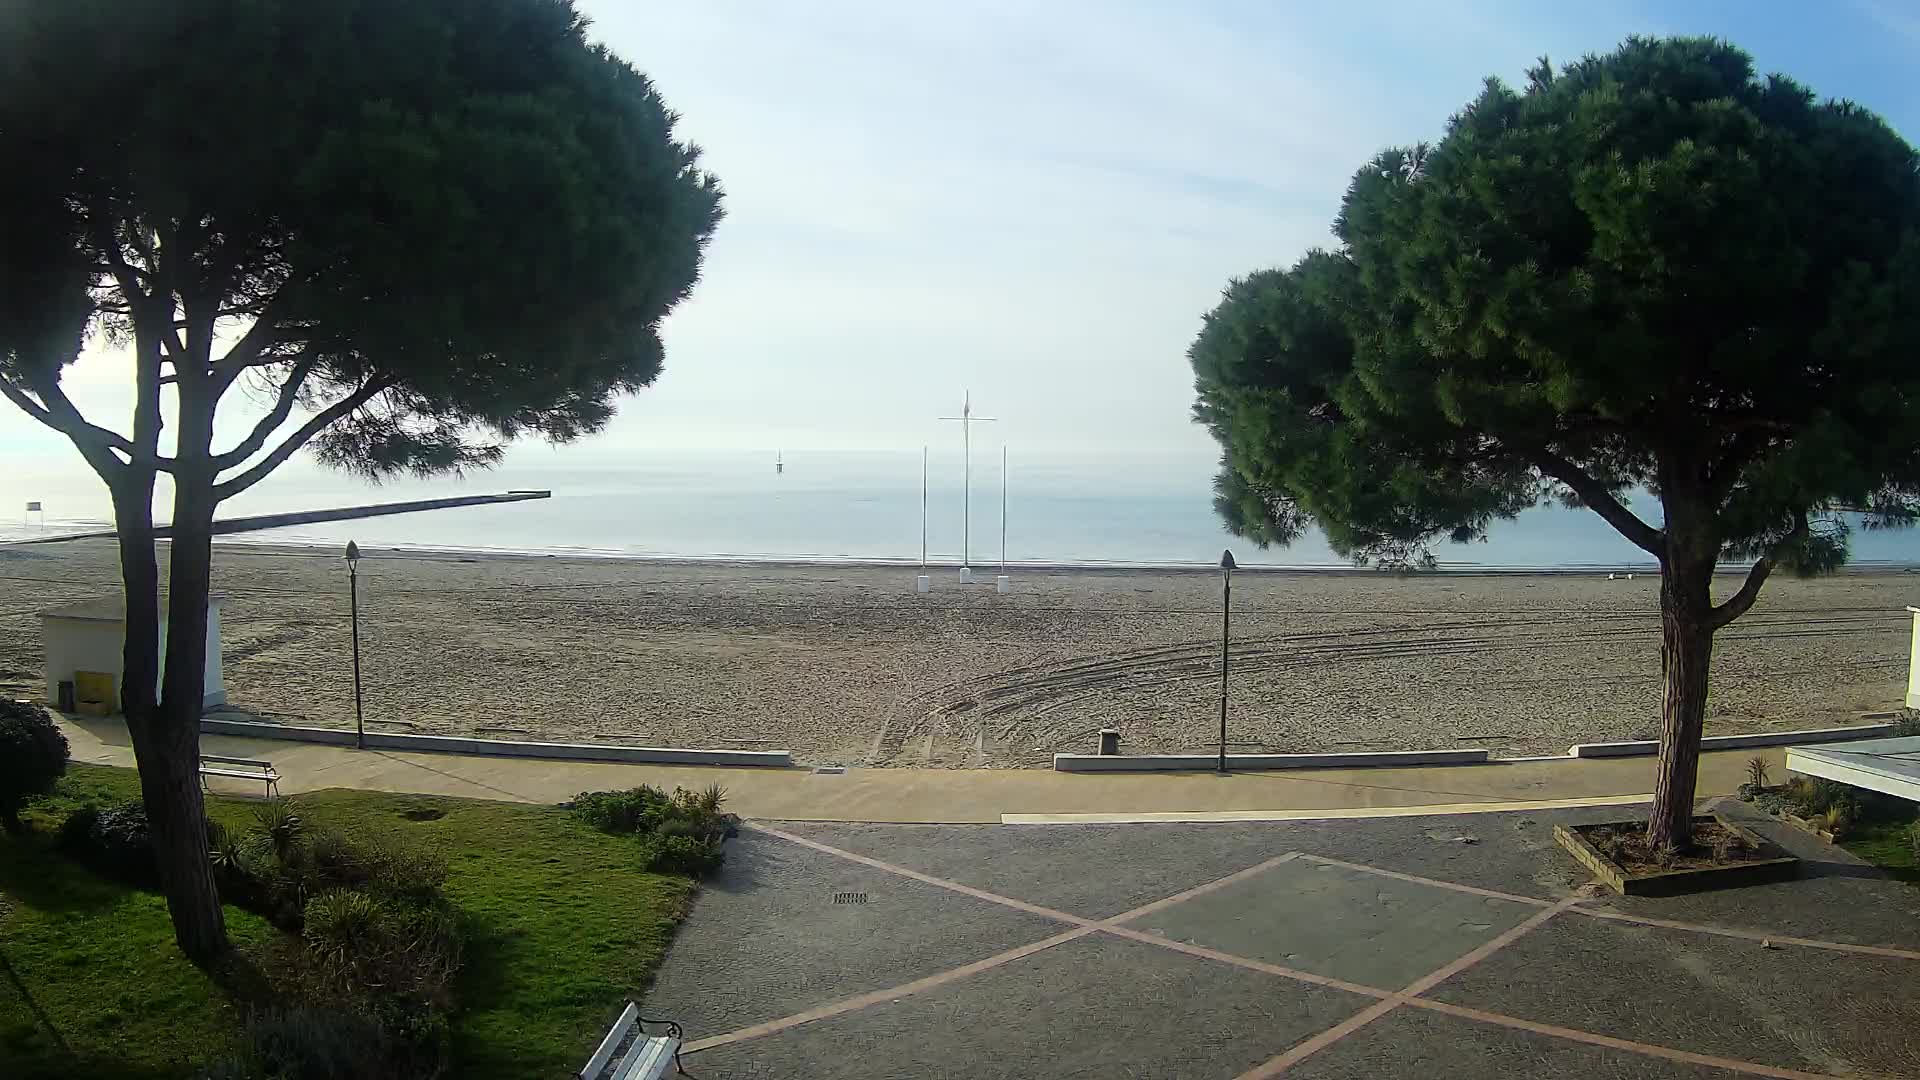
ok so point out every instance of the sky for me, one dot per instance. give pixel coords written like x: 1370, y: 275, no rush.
x: 1037, y: 202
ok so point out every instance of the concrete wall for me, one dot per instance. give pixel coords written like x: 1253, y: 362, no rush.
x: 1734, y: 742
x: 441, y: 744
x: 1193, y: 762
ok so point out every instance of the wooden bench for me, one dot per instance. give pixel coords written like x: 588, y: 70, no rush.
x: 629, y: 1053
x: 239, y: 768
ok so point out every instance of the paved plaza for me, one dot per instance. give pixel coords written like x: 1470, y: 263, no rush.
x: 1465, y: 946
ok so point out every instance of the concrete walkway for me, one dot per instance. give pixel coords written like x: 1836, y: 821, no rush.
x: 1431, y: 947
x: 965, y: 796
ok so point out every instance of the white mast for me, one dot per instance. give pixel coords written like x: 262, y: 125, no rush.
x: 967, y: 420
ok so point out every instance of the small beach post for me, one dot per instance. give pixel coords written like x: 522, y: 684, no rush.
x: 923, y: 583
x: 1226, y: 635
x: 353, y: 601
x: 1002, y: 584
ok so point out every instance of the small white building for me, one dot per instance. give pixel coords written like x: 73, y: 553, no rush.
x: 90, y: 636
x: 1913, y: 664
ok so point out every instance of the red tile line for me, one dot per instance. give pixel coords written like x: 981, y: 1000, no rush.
x: 1617, y: 916
x: 1205, y: 953
x: 1083, y: 927
x: 877, y: 997
x: 942, y: 883
x: 1388, y: 1000
x: 1649, y: 1049
x: 1755, y: 935
x: 1304, y: 1050
x: 1435, y: 882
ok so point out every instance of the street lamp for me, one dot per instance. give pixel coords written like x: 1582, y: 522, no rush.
x: 353, y: 592
x: 1226, y: 632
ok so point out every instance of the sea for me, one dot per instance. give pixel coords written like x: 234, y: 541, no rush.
x: 869, y: 506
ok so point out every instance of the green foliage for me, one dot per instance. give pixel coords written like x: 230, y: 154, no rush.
x: 461, y: 201
x: 309, y: 1043
x: 281, y: 825
x: 363, y: 947
x: 33, y: 756
x: 671, y: 853
x: 557, y: 920
x: 116, y: 841
x: 1837, y: 818
x: 639, y: 809
x: 682, y: 833
x: 1646, y: 270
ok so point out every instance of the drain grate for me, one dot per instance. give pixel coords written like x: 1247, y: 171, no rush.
x: 849, y: 898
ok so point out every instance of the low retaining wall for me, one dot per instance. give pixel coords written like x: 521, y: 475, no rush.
x: 443, y: 744
x: 1192, y: 762
x: 1734, y: 742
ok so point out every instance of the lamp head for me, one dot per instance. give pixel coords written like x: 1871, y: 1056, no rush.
x: 1226, y: 562
x: 353, y: 553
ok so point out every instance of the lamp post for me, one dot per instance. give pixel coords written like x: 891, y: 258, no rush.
x: 1226, y: 632
x: 353, y: 593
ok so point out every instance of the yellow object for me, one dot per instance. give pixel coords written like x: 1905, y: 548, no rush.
x: 93, y: 689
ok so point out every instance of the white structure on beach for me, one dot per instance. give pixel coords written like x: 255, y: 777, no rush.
x: 91, y: 637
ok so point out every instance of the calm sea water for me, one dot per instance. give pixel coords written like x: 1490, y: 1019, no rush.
x: 845, y: 506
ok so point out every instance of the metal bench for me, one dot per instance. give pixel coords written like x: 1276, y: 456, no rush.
x: 239, y: 768
x: 629, y: 1053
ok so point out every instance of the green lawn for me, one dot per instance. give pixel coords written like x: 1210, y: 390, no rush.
x: 563, y: 929
x: 1885, y: 844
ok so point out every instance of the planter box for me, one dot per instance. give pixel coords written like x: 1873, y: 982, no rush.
x: 1779, y: 867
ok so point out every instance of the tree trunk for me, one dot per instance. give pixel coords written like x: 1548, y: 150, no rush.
x: 175, y: 808
x: 1686, y: 654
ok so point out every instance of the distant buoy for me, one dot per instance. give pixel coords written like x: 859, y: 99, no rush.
x: 779, y: 466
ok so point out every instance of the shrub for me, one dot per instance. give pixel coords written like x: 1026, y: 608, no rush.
x: 1913, y: 840
x: 309, y: 1043
x: 634, y: 810
x: 33, y: 757
x: 360, y: 945
x: 1757, y: 771
x: 691, y: 855
x: 281, y: 825
x: 114, y: 841
x: 76, y: 833
x: 1837, y: 819
x: 682, y: 833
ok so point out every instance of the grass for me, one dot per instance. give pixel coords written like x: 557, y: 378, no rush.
x: 1885, y: 845
x: 562, y: 929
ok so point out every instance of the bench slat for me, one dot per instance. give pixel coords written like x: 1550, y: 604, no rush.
x: 649, y: 1059
x: 240, y: 775
x: 256, y: 762
x: 611, y: 1044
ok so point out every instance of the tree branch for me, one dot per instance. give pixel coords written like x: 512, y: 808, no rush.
x: 246, y: 352
x: 1739, y: 603
x: 1601, y: 501
x: 94, y: 443
x: 282, y: 408
x: 298, y: 439
x: 61, y: 416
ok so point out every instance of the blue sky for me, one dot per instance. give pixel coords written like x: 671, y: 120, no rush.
x: 1038, y: 201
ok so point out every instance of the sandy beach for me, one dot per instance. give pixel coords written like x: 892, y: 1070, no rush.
x: 847, y: 665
